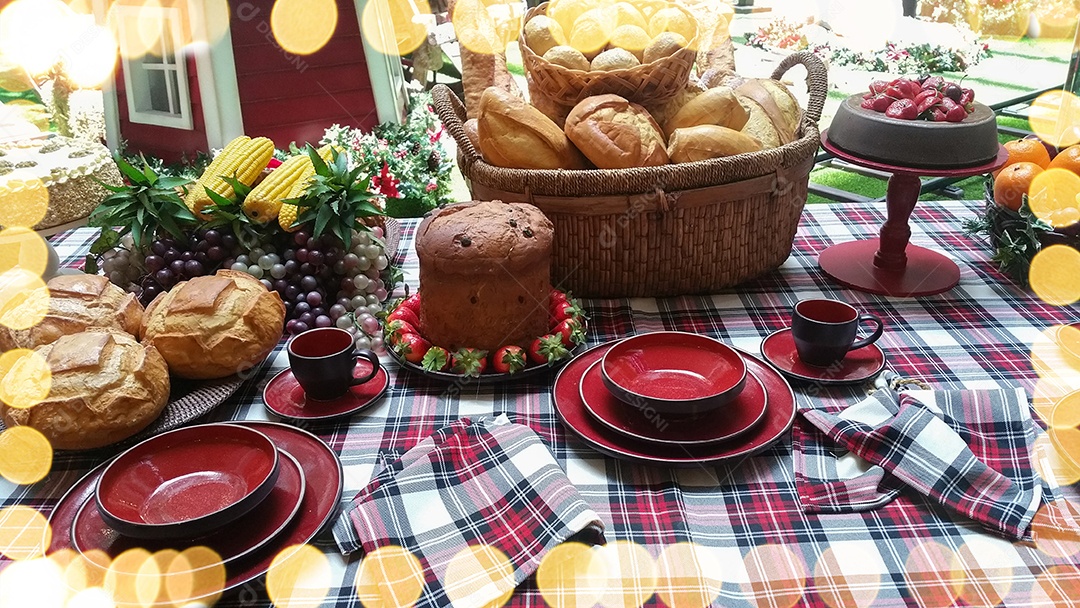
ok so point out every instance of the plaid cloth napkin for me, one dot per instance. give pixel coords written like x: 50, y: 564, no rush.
x: 483, y: 482
x: 970, y: 451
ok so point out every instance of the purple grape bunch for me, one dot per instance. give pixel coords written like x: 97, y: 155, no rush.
x: 170, y: 261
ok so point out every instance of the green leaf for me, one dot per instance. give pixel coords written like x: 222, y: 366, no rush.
x: 105, y: 241
x: 90, y: 266
x: 130, y: 172
x: 217, y: 199
x: 109, y: 187
x: 317, y: 161
x: 240, y: 189
x: 172, y: 182
x: 323, y: 217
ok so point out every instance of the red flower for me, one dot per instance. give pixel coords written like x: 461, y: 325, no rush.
x: 273, y: 164
x: 385, y: 183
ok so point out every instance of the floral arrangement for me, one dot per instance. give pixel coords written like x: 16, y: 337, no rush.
x: 406, y: 162
x: 917, y: 59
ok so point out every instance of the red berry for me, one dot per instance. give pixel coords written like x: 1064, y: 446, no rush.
x: 404, y: 314
x: 508, y: 360
x: 904, y: 109
x: 412, y: 348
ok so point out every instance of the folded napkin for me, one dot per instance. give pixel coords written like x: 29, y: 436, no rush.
x: 969, y: 450
x: 483, y: 482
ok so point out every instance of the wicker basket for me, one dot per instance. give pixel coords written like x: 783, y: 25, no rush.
x: 662, y: 231
x: 652, y: 82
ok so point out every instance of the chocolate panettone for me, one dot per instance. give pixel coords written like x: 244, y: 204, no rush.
x: 485, y: 275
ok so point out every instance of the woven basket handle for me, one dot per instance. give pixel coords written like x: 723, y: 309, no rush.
x: 817, y: 79
x: 452, y: 114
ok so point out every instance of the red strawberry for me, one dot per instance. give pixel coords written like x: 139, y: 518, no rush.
x: 927, y: 99
x: 396, y: 328
x: 548, y: 349
x: 412, y: 303
x: 933, y: 83
x: 867, y: 103
x: 956, y: 114
x: 937, y: 114
x: 412, y: 348
x: 404, y: 314
x: 469, y: 361
x: 904, y: 109
x: 567, y: 310
x: 895, y: 92
x: 571, y: 331
x: 436, y: 359
x: 509, y: 360
x: 882, y: 103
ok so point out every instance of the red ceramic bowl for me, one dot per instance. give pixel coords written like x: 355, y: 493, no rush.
x: 187, y: 482
x: 674, y: 373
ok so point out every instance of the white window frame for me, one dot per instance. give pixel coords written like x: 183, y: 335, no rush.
x: 170, y: 18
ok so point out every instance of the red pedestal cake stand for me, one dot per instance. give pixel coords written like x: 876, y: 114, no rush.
x: 889, y: 265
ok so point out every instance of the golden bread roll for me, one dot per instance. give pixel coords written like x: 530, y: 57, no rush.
x: 614, y: 133
x: 568, y: 57
x: 672, y: 19
x: 721, y: 77
x: 472, y: 133
x: 542, y: 33
x: 566, y: 12
x: 104, y: 388
x: 613, y: 59
x: 557, y: 112
x: 73, y: 303
x: 214, y: 326
x: 664, y: 110
x: 630, y: 38
x: 628, y: 14
x: 708, y: 141
x: 664, y: 45
x: 717, y: 106
x: 774, y: 113
x: 479, y: 71
x: 515, y: 134
x: 716, y: 50
x: 592, y: 31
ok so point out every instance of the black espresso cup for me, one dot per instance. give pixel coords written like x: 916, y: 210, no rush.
x: 323, y: 359
x: 825, y: 330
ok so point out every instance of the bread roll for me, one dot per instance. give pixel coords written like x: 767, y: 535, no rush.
x: 713, y: 107
x: 665, y: 110
x: 664, y: 45
x: 105, y: 387
x: 567, y: 57
x: 774, y: 113
x: 480, y: 71
x: 515, y: 134
x: 628, y: 14
x: 542, y: 33
x: 614, y: 133
x: 613, y: 59
x: 671, y: 19
x: 214, y: 326
x: 75, y: 302
x: 630, y: 38
x: 566, y: 12
x: 592, y: 31
x: 709, y: 141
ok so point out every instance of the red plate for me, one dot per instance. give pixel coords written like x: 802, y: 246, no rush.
x: 187, y: 482
x: 736, y: 418
x: 245, y: 535
x: 859, y: 365
x: 324, y: 477
x: 284, y: 397
x: 779, y: 415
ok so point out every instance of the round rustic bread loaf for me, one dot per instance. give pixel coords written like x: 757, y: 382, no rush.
x: 75, y: 302
x: 105, y: 387
x: 214, y: 326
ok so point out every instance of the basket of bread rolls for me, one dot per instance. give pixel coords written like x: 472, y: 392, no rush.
x: 650, y: 195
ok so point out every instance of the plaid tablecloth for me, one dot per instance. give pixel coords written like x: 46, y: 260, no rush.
x: 747, y: 514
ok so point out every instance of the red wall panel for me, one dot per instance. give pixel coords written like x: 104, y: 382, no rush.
x: 163, y: 142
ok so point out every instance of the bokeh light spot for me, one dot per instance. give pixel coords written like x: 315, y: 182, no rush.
x: 687, y: 576
x: 25, y: 455
x: 396, y: 27
x: 776, y: 571
x: 82, y: 572
x: 24, y: 200
x: 1055, y: 117
x: 196, y: 573
x: 1052, y: 464
x: 389, y: 577
x: 93, y: 597
x: 141, y: 33
x: 485, y: 29
x: 1052, y: 196
x: 631, y: 574
x: 298, y: 577
x: 91, y: 58
x: 302, y: 27
x: 31, y: 381
x: 23, y: 248
x: 24, y: 533
x: 479, y: 575
x: 1066, y: 413
x: 1067, y: 337
x: 844, y: 577
x: 133, y: 577
x: 930, y: 572
x: 1058, y: 585
x: 1055, y: 275
x: 982, y: 586
x: 1055, y: 530
x: 31, y: 33
x: 34, y: 582
x: 571, y: 576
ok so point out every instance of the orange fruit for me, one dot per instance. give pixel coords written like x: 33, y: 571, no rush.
x: 1026, y: 151
x: 1069, y: 158
x: 1013, y: 182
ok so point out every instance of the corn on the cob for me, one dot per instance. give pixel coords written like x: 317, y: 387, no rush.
x: 288, y: 213
x: 264, y: 202
x: 243, y: 158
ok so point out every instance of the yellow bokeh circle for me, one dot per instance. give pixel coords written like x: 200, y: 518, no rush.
x: 389, y: 577
x: 24, y: 199
x: 32, y: 33
x: 486, y: 27
x: 1053, y: 464
x: 1054, y: 532
x: 1052, y: 196
x: 1055, y: 117
x: 631, y: 574
x: 196, y: 573
x: 21, y: 247
x: 24, y: 533
x: 298, y: 576
x: 839, y: 589
x: 302, y: 27
x: 571, y: 576
x: 81, y: 571
x: 777, y: 572
x: 931, y: 571
x: 93, y: 597
x: 142, y: 29
x: 479, y: 575
x: 1057, y: 585
x: 1055, y: 275
x: 687, y: 576
x: 25, y: 378
x: 25, y: 455
x: 33, y: 583
x: 17, y: 291
x: 91, y: 61
x: 984, y: 586
x: 133, y: 578
x: 395, y: 27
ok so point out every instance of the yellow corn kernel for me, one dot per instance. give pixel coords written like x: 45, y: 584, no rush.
x: 244, y: 158
x: 264, y: 202
x: 196, y: 198
x: 288, y: 213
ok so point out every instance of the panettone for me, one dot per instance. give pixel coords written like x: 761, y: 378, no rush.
x: 105, y: 387
x: 484, y: 274
x: 214, y: 326
x: 75, y: 302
